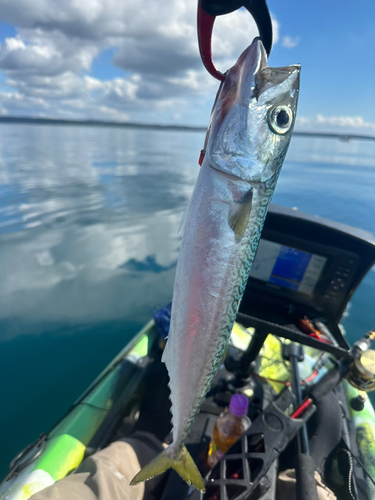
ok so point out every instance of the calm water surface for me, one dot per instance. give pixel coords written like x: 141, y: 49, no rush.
x: 88, y: 246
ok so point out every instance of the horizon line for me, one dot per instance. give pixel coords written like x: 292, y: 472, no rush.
x: 166, y: 127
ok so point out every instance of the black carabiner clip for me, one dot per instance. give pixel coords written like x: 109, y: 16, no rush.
x: 208, y: 10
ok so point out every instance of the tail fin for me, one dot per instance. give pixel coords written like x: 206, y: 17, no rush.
x: 182, y: 463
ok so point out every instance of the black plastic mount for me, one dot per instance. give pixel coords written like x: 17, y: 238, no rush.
x: 293, y: 351
x: 241, y: 470
x: 266, y: 327
x: 257, y: 8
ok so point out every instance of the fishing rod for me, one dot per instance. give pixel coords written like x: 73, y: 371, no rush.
x: 358, y: 367
x: 277, y: 429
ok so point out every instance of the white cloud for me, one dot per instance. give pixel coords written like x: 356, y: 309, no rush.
x: 154, y: 43
x: 16, y: 101
x: 290, y: 42
x: 114, y: 114
x: 345, y: 121
x: 51, y: 275
x: 341, y: 124
x: 33, y: 52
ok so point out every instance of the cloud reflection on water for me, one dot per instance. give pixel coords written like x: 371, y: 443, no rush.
x: 84, y: 205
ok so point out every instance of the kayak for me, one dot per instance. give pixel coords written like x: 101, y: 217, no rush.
x: 285, y: 289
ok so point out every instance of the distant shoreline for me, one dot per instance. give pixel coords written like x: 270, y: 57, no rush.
x: 151, y: 126
x: 97, y: 123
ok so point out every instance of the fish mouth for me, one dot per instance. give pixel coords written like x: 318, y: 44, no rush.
x: 251, y: 63
x: 253, y: 71
x: 235, y: 88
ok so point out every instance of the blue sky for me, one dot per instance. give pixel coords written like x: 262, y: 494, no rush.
x: 139, y: 61
x: 336, y: 50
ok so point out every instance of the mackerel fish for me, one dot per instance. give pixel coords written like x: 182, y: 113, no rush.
x: 248, y: 136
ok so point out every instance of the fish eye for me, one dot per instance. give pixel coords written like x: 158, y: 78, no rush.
x: 280, y: 119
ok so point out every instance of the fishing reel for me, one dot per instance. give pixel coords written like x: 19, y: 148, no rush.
x: 361, y: 374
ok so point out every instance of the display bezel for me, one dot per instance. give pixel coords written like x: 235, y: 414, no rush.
x: 316, y: 300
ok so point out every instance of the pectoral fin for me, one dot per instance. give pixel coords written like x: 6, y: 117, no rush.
x: 239, y: 216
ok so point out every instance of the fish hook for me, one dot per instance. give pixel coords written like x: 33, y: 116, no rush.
x: 208, y: 10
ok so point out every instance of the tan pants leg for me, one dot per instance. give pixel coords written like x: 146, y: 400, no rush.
x: 106, y: 475
x: 286, y: 487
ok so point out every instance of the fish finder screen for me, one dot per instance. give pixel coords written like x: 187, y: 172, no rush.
x: 287, y: 267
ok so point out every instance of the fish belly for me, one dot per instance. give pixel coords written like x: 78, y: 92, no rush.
x: 212, y: 270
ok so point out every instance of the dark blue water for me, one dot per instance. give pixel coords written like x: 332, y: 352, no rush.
x: 88, y: 246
